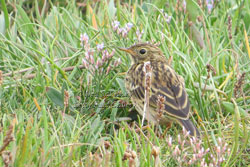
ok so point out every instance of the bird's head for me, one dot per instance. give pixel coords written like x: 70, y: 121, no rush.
x: 144, y: 52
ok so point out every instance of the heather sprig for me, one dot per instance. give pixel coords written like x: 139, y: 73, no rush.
x: 190, y: 150
x: 97, y: 60
x: 121, y: 31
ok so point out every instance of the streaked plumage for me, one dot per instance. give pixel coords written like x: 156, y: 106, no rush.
x: 164, y: 82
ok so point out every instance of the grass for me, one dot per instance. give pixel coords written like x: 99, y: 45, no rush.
x: 58, y: 112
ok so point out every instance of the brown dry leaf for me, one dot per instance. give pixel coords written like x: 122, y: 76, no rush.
x: 94, y: 23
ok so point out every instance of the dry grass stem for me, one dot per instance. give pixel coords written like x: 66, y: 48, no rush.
x: 239, y: 84
x: 147, y: 70
x: 209, y: 68
x: 6, y: 155
x: 8, y: 138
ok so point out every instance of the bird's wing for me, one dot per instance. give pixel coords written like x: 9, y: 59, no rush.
x: 166, y: 83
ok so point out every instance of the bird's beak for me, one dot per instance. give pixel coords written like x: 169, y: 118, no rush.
x: 127, y: 50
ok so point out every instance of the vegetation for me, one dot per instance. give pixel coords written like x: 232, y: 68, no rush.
x: 62, y: 95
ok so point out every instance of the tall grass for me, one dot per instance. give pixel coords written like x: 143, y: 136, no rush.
x: 63, y: 100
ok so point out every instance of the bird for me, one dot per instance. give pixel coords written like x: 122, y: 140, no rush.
x: 165, y: 83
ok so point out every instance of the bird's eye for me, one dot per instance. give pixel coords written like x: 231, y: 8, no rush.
x: 142, y: 51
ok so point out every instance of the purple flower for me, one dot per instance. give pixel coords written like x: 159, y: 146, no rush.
x: 105, y: 52
x: 84, y: 38
x: 221, y: 159
x: 115, y: 25
x: 92, y: 60
x: 129, y: 26
x: 87, y: 55
x: 124, y: 32
x: 108, y: 69
x: 98, y: 63
x: 104, y: 58
x: 176, y: 151
x: 209, y: 7
x: 100, y: 46
x: 200, y: 153
x: 111, y: 54
x: 184, y: 4
x: 167, y: 18
x: 85, y: 63
x: 209, y: 4
x: 169, y: 141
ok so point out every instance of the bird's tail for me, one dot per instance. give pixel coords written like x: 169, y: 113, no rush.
x: 189, y: 126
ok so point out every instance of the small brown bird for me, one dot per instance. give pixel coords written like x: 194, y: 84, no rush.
x: 165, y: 83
